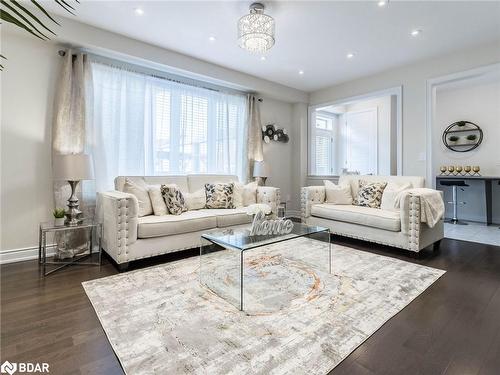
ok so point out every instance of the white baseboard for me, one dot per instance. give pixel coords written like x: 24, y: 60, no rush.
x: 22, y: 254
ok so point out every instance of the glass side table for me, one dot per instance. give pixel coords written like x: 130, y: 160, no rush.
x: 83, y: 237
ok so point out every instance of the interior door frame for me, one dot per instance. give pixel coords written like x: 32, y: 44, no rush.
x: 397, y: 91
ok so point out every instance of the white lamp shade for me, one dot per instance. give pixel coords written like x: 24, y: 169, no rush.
x: 260, y: 169
x: 73, y: 167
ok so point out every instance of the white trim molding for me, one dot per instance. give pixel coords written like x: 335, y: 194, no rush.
x: 396, y: 91
x: 432, y: 85
x: 23, y: 253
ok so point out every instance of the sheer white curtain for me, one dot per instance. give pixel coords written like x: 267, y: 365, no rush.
x: 145, y: 125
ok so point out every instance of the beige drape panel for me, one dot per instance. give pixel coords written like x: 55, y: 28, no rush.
x: 72, y: 102
x: 71, y: 106
x: 254, y: 145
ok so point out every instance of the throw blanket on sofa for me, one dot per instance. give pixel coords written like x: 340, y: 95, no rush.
x: 431, y: 204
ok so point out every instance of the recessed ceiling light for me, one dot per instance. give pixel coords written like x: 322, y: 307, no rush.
x: 382, y: 3
x: 301, y: 72
x: 350, y: 55
x: 211, y: 38
x: 263, y: 58
x: 139, y: 11
x: 416, y: 32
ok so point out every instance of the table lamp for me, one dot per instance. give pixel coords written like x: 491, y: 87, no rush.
x: 260, y: 171
x: 73, y: 168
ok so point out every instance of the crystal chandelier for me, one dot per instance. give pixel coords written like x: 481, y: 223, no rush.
x: 256, y: 30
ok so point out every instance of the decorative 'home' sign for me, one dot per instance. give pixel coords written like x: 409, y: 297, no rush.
x: 263, y: 227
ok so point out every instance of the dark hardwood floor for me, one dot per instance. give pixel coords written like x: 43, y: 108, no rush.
x: 452, y: 328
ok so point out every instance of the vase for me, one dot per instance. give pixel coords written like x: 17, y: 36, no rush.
x: 59, y: 221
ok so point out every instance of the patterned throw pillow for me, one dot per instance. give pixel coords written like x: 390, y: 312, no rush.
x: 370, y: 194
x: 173, y: 199
x: 220, y: 195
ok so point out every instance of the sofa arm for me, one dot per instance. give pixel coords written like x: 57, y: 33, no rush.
x: 310, y: 195
x: 270, y: 196
x: 119, y: 213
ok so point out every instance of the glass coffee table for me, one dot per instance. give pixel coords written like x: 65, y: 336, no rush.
x: 265, y: 273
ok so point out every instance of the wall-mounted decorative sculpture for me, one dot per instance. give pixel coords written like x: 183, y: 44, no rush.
x: 462, y: 136
x: 271, y: 133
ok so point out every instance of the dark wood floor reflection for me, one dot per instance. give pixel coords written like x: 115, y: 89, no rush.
x: 452, y: 328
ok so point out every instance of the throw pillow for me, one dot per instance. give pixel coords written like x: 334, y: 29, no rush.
x: 370, y: 194
x: 196, y: 200
x: 247, y: 194
x: 174, y: 199
x: 337, y: 194
x: 391, y: 192
x: 157, y: 201
x: 140, y: 190
x: 219, y: 195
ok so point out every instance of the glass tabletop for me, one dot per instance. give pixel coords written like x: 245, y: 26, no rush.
x: 240, y: 238
x: 51, y: 225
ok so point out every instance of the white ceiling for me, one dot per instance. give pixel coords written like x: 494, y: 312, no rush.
x: 312, y: 36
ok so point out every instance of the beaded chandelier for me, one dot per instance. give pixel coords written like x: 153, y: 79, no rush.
x: 256, y: 30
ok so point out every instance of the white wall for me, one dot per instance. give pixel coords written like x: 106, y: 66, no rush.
x: 478, y: 102
x: 278, y: 156
x: 384, y: 149
x: 27, y: 96
x: 28, y: 84
x: 413, y: 79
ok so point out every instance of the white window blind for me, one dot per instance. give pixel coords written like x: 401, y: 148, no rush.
x: 145, y: 125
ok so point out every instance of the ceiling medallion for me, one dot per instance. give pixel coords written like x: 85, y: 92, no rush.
x: 256, y: 30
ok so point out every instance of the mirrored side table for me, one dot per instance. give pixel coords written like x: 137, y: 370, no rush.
x: 78, y: 245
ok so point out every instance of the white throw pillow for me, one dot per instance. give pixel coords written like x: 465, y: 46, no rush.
x: 245, y: 195
x: 196, y: 200
x: 391, y: 191
x: 337, y: 194
x: 140, y: 190
x: 250, y: 193
x: 157, y: 201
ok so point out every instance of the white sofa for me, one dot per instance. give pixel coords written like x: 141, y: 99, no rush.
x: 399, y: 228
x: 128, y: 237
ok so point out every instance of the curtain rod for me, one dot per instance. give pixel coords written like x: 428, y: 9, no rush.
x: 62, y: 53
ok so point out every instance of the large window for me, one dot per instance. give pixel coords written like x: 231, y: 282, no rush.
x: 145, y: 125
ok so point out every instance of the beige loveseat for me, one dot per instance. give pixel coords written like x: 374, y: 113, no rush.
x: 128, y: 237
x: 400, y: 228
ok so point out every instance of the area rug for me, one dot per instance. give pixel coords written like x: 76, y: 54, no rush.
x: 160, y: 320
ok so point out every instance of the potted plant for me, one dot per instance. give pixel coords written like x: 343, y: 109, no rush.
x: 58, y: 216
x: 471, y: 137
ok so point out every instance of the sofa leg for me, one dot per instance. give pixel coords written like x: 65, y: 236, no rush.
x: 415, y: 254
x: 123, y: 267
x: 436, y: 245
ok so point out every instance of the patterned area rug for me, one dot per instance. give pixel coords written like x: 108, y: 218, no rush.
x: 301, y: 319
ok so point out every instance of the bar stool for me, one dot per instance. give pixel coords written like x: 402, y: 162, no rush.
x: 454, y: 184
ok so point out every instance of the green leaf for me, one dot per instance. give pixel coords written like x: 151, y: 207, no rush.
x: 33, y: 17
x: 7, y: 17
x: 45, y: 12
x: 63, y: 6
x: 65, y: 3
x: 23, y: 18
